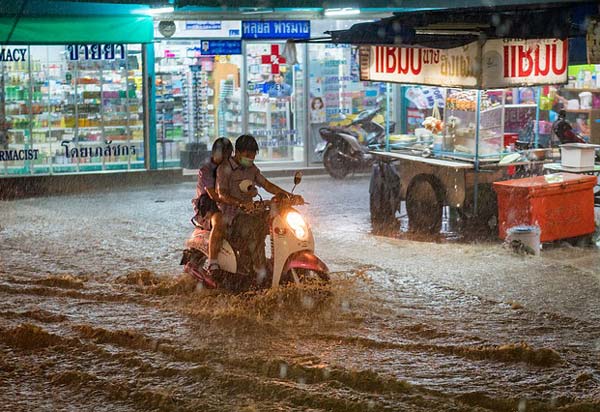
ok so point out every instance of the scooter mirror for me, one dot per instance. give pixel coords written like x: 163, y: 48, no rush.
x: 297, y: 178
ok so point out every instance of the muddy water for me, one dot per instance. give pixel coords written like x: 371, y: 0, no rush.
x: 95, y: 314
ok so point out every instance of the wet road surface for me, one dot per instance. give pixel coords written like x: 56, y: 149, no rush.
x: 95, y: 314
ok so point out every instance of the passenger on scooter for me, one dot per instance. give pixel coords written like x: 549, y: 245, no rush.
x: 207, y: 213
x: 235, y: 204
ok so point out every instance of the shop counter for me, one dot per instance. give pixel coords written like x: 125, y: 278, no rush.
x: 561, y: 205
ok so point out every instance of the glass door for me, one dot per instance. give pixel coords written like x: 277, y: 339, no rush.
x: 276, y: 102
x: 198, y: 99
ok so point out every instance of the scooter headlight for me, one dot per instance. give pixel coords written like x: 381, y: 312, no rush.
x: 296, y: 222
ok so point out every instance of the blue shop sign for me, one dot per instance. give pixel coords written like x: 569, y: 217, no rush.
x: 276, y: 29
x: 220, y: 47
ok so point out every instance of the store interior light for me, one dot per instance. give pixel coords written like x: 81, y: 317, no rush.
x: 256, y: 10
x: 346, y: 11
x: 160, y: 10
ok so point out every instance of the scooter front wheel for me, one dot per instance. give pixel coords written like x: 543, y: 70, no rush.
x: 336, y: 162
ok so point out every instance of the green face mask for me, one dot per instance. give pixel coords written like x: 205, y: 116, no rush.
x: 246, y: 162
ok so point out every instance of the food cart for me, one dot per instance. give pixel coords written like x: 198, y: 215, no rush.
x: 464, y: 153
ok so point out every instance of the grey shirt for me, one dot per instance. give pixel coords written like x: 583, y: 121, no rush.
x: 229, y: 176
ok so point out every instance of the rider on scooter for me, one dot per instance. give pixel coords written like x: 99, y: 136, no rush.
x: 235, y: 203
x: 207, y: 213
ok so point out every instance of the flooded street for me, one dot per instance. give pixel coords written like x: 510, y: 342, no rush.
x: 96, y: 314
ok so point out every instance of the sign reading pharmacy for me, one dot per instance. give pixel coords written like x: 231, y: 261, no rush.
x: 13, y: 55
x: 276, y: 29
x: 498, y: 63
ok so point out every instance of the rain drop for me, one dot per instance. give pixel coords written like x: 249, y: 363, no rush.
x: 308, y: 302
x: 522, y: 405
x: 283, y: 371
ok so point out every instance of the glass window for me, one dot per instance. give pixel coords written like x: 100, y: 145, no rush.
x: 198, y: 99
x: 15, y: 113
x: 276, y: 102
x: 337, y: 95
x: 78, y: 108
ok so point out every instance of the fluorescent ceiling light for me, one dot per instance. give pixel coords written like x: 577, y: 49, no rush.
x: 346, y: 11
x: 160, y: 10
x: 256, y: 10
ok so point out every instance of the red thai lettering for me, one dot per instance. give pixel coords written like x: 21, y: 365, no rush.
x: 539, y: 71
x: 390, y: 59
x: 506, y: 59
x: 522, y: 61
x: 513, y: 61
x: 416, y: 69
x: 525, y: 61
x: 565, y: 55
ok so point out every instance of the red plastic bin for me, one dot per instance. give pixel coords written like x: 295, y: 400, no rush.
x: 561, y: 209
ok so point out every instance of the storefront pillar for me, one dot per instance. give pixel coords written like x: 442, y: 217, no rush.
x: 151, y: 160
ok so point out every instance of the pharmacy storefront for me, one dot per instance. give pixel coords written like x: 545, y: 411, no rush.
x: 72, y: 95
x: 225, y: 78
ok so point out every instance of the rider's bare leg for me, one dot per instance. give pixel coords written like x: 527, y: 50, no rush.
x: 215, y: 240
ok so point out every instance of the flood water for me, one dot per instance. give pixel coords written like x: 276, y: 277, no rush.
x: 96, y: 314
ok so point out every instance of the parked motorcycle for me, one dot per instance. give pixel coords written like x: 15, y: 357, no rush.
x: 292, y: 258
x: 346, y: 149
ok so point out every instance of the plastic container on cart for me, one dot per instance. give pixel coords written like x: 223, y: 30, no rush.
x: 578, y: 155
x: 528, y: 235
x: 561, y: 205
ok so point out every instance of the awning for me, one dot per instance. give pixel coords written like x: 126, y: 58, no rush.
x: 76, y: 29
x: 444, y: 29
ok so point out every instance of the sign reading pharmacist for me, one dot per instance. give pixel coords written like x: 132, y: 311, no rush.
x: 499, y: 63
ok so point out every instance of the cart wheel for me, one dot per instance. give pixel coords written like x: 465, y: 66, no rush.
x: 337, y: 165
x: 424, y: 204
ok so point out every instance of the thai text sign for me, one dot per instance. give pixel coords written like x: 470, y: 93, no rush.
x: 457, y: 67
x: 276, y: 29
x: 497, y: 64
x: 508, y: 63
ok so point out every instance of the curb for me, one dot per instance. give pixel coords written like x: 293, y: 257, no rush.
x: 20, y: 187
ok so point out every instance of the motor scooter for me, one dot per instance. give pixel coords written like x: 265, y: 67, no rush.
x: 346, y: 149
x: 292, y: 258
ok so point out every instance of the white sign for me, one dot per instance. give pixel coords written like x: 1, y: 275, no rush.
x: 205, y: 29
x: 498, y: 64
x: 508, y: 63
x: 458, y: 67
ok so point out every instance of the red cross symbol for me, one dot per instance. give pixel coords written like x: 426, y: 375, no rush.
x: 274, y: 59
